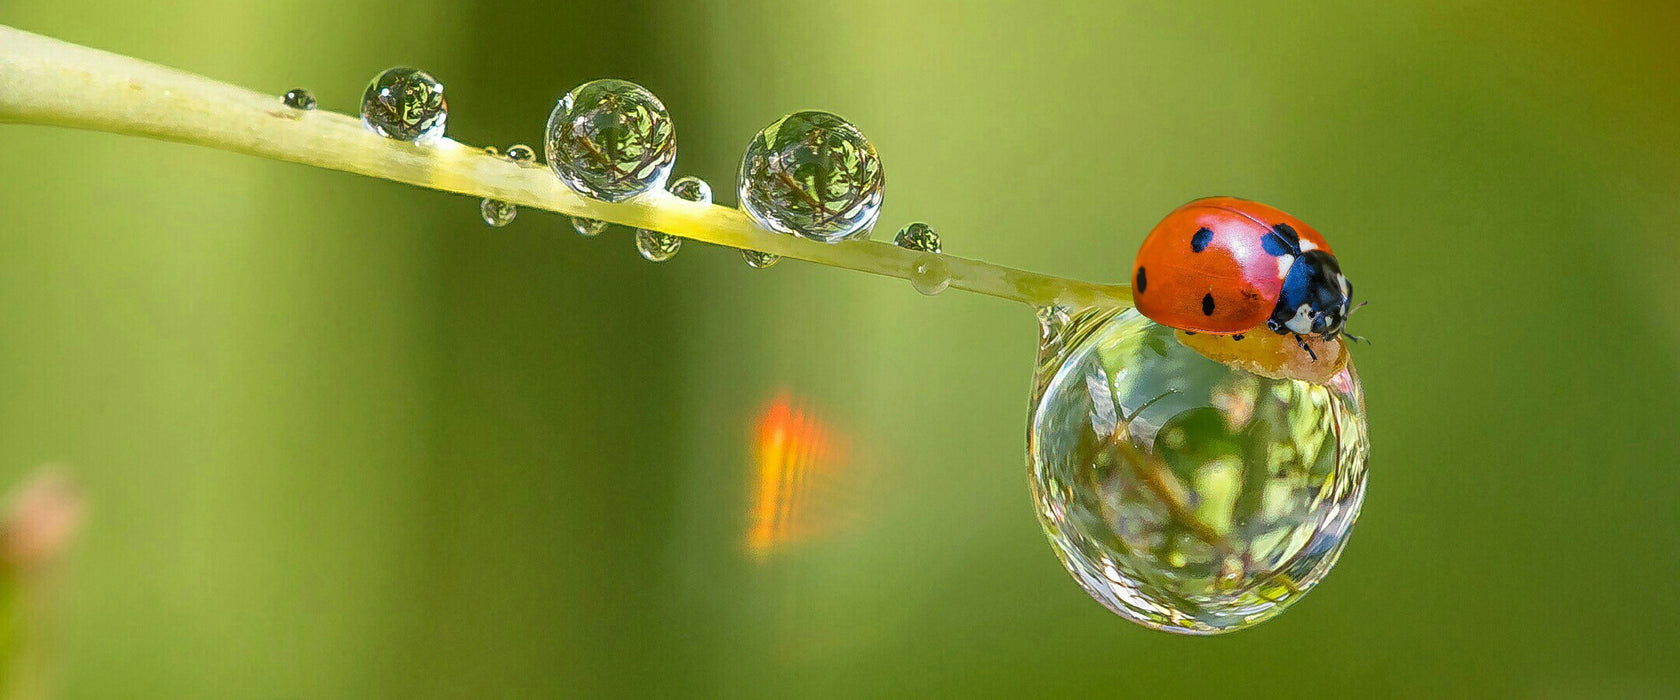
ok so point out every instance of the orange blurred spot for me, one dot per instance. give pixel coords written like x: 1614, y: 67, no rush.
x: 796, y: 454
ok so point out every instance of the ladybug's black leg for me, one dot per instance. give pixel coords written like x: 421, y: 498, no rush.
x: 1303, y: 343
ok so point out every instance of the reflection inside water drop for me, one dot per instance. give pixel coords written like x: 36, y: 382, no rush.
x: 1183, y: 494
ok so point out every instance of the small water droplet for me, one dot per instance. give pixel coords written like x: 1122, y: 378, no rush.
x: 521, y: 154
x: 1185, y: 494
x: 497, y: 213
x: 611, y: 140
x: 930, y: 274
x: 760, y: 260
x: 918, y: 236
x: 658, y: 246
x: 299, y: 98
x: 814, y: 175
x: 588, y: 227
x: 405, y: 104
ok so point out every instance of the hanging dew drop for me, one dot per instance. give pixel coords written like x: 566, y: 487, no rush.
x: 918, y: 236
x: 1185, y: 494
x: 299, y: 98
x: 588, y: 228
x: 611, y: 140
x: 930, y: 274
x: 658, y: 246
x: 814, y: 175
x: 497, y: 213
x: 760, y: 260
x: 405, y: 104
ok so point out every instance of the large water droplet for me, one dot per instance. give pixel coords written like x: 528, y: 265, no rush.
x: 918, y: 236
x: 299, y: 98
x: 1182, y: 493
x: 611, y: 140
x: 405, y: 104
x: 814, y: 175
x: 588, y: 227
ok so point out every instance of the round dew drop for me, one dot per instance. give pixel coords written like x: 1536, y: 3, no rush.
x: 497, y: 213
x: 405, y: 104
x: 814, y: 175
x: 930, y: 274
x: 299, y: 98
x: 610, y: 140
x: 588, y: 228
x: 1185, y: 494
x: 918, y: 236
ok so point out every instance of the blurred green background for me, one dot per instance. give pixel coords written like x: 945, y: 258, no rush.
x: 341, y: 440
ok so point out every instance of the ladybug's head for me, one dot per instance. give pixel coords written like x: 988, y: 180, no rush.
x: 1316, y: 298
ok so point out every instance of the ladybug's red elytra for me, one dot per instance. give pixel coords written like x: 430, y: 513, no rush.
x: 1231, y: 266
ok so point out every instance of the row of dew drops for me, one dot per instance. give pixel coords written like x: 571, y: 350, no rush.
x: 809, y: 174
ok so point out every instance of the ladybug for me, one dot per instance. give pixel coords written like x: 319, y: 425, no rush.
x: 1229, y: 266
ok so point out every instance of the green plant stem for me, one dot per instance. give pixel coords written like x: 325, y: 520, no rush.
x: 50, y: 82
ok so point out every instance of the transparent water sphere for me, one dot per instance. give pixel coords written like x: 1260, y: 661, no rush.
x: 812, y: 174
x: 497, y: 213
x: 405, y: 104
x: 299, y: 98
x: 918, y: 236
x: 1182, y: 493
x: 611, y: 140
x: 930, y: 274
x: 588, y: 228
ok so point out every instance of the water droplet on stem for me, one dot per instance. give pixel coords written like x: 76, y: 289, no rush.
x: 611, y: 140
x: 405, y: 104
x: 814, y: 175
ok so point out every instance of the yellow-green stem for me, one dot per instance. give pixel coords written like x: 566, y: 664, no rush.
x: 50, y: 82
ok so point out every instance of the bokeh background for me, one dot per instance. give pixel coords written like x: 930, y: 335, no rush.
x: 339, y: 439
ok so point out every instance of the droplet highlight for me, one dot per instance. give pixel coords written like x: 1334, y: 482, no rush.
x: 814, y: 175
x: 930, y: 274
x: 611, y: 140
x: 299, y: 98
x: 918, y: 236
x: 1185, y: 494
x: 405, y: 104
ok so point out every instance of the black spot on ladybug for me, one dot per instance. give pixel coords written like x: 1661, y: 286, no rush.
x: 1238, y: 336
x: 1200, y: 241
x: 1207, y: 304
x: 1281, y: 240
x: 1141, y: 282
